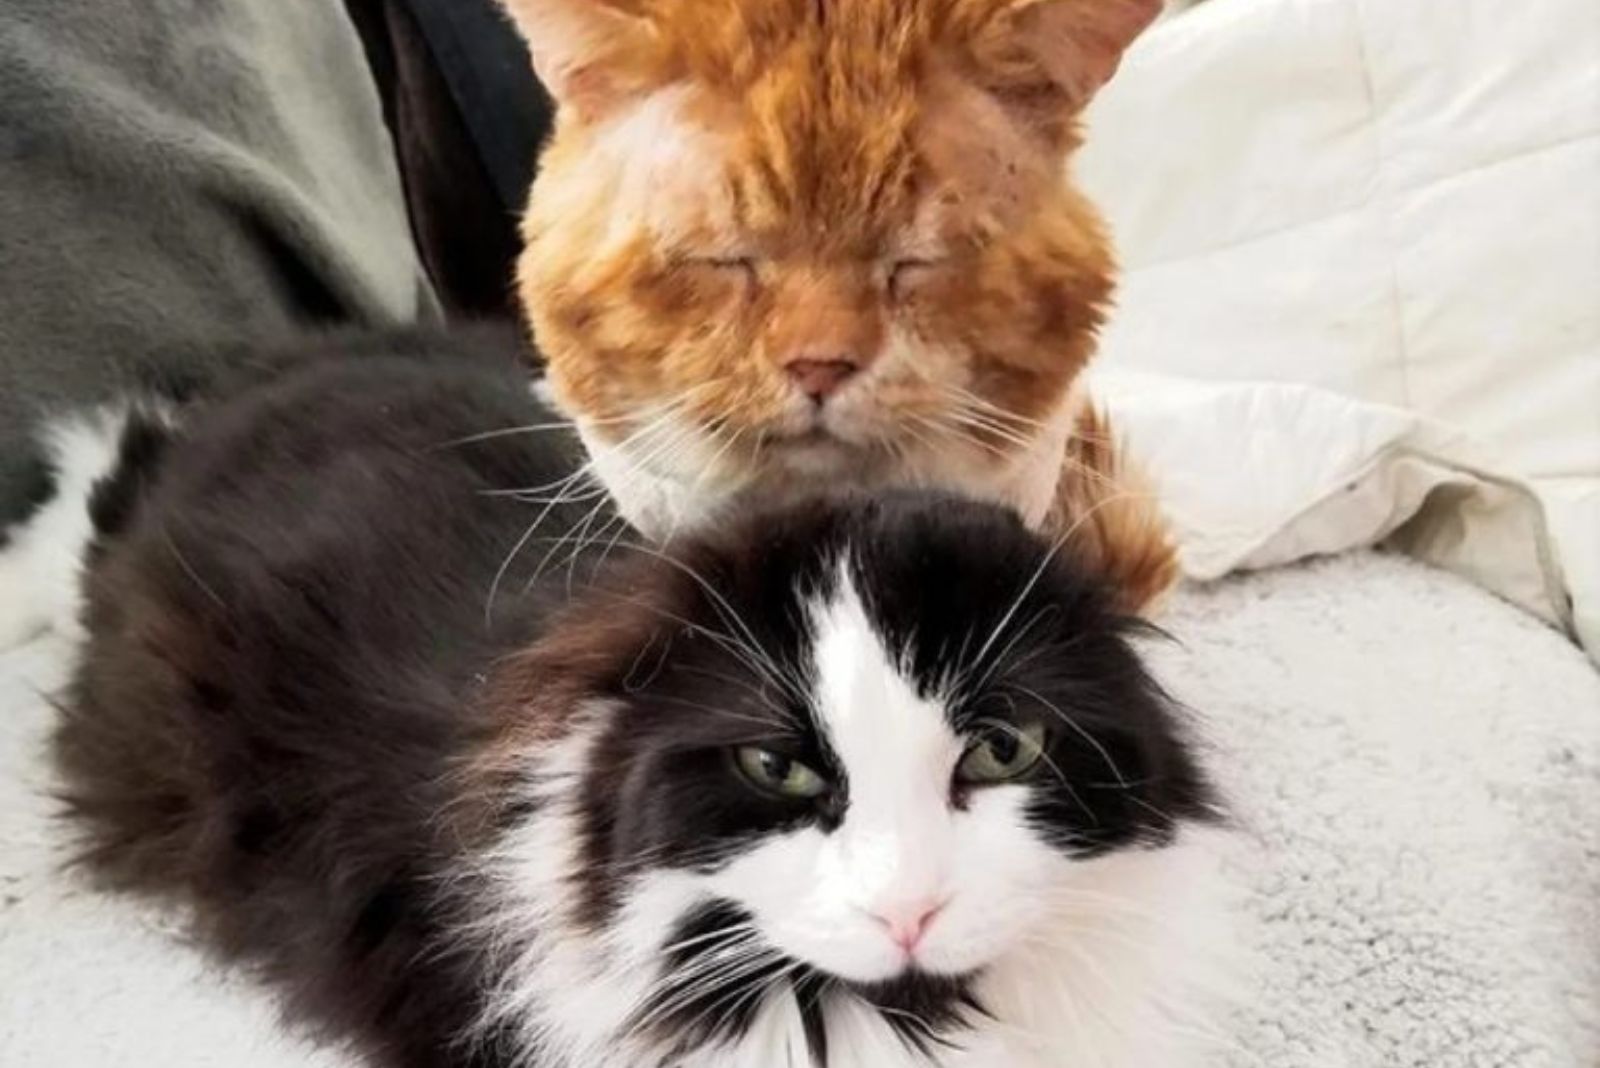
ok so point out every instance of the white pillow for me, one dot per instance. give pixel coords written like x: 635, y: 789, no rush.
x: 1257, y: 475
x: 1398, y: 202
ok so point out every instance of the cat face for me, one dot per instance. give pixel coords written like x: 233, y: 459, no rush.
x: 853, y: 770
x: 773, y: 240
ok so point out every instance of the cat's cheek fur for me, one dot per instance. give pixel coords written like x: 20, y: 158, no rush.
x: 556, y: 994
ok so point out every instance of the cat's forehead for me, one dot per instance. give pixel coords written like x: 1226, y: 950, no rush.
x: 852, y: 133
x: 886, y: 728
x: 926, y: 577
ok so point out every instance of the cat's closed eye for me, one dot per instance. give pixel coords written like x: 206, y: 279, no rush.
x: 743, y: 267
x: 904, y: 274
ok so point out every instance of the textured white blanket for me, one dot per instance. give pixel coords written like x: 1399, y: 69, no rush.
x: 1416, y: 772
x: 1414, y: 768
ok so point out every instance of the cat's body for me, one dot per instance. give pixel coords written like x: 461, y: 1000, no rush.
x: 777, y: 245
x: 753, y: 801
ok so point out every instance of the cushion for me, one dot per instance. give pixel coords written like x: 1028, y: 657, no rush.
x: 1389, y: 200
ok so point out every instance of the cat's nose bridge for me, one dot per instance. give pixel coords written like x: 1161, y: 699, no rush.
x: 898, y: 853
x: 823, y: 331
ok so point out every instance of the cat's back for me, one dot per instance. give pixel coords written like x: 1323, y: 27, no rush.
x: 298, y: 577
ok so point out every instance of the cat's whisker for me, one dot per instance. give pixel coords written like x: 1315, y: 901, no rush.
x: 756, y: 994
x: 742, y: 928
x: 1001, y: 661
x: 1073, y: 724
x: 989, y: 425
x: 953, y: 435
x: 573, y: 535
x: 576, y: 534
x: 1061, y: 776
x: 760, y: 695
x: 589, y: 541
x: 743, y: 957
x: 962, y: 436
x: 716, y: 457
x: 972, y: 400
x: 731, y: 617
x: 558, y: 487
x: 757, y: 661
x: 909, y: 428
x: 1022, y: 595
x: 504, y: 432
x: 622, y: 526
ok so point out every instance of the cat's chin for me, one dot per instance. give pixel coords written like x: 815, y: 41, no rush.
x: 819, y: 453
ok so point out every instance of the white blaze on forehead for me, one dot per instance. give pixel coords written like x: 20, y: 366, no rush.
x: 896, y: 747
x: 667, y: 168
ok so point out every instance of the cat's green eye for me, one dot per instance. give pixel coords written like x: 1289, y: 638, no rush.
x: 1001, y: 753
x: 778, y: 774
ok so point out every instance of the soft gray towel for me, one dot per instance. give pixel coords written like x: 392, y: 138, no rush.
x: 174, y: 173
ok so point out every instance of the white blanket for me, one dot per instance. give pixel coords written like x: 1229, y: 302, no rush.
x: 1414, y: 769
x: 1389, y: 200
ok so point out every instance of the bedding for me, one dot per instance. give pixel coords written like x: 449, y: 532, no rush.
x: 1389, y: 201
x: 1411, y: 766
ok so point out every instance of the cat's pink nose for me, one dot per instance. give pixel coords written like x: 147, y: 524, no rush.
x: 820, y: 378
x: 908, y: 924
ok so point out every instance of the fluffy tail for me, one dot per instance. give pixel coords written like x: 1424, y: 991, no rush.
x: 1107, y: 507
x: 100, y: 462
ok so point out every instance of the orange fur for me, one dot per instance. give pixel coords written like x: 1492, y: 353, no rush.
x: 732, y: 184
x: 1106, y: 511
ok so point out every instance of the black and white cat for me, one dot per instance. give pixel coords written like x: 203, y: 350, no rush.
x: 864, y: 784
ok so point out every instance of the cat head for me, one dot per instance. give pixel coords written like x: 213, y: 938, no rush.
x: 846, y: 760
x: 773, y: 240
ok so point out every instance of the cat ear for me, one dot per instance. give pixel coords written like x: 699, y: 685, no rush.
x: 580, y: 47
x: 1077, y: 44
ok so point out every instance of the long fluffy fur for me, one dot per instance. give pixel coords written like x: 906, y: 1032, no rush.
x: 463, y: 829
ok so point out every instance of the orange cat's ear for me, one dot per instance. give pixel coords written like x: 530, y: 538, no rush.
x: 584, y: 51
x: 1075, y: 45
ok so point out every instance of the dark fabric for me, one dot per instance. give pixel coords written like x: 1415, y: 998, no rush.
x: 175, y: 174
x: 468, y: 117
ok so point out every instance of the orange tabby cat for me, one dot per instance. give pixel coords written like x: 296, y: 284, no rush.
x: 777, y: 244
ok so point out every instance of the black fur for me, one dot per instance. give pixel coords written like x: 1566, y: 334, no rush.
x: 38, y: 485
x: 287, y: 634
x: 299, y: 711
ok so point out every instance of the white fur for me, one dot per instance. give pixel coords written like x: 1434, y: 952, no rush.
x: 1099, y: 963
x: 41, y: 570
x: 658, y: 174
x: 673, y: 477
x: 648, y: 475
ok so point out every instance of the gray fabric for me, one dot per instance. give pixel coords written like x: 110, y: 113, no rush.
x: 175, y: 173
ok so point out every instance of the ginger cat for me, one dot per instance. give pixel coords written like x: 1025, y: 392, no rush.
x: 782, y: 244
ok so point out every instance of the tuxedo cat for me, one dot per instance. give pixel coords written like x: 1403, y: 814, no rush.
x: 864, y: 783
